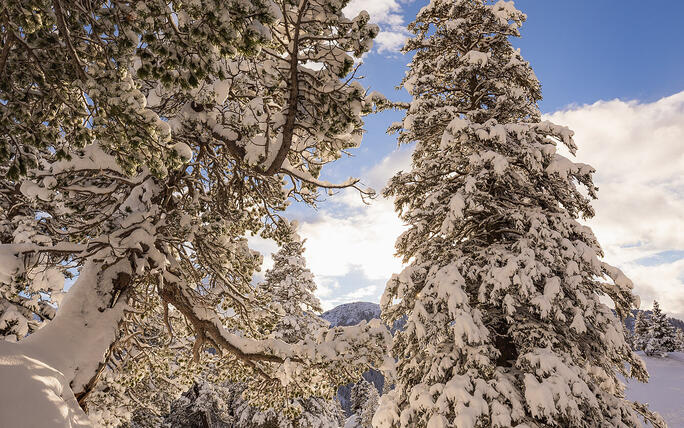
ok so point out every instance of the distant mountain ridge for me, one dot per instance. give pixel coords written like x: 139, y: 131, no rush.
x: 351, y: 313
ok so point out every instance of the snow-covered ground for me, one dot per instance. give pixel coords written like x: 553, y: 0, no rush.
x: 665, y: 390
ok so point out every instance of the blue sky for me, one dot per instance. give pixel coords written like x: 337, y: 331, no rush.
x: 612, y: 71
x: 582, y: 51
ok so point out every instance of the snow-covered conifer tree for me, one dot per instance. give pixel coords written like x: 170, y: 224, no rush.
x: 291, y: 286
x: 364, y: 403
x: 31, y: 300
x: 73, y: 75
x: 150, y: 366
x: 225, y: 405
x: 143, y: 142
x: 505, y: 326
x: 642, y: 331
x: 662, y: 338
x: 680, y: 340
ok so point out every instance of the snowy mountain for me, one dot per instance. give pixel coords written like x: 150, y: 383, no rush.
x: 351, y: 313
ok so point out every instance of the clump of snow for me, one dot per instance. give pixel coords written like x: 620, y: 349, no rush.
x: 183, y: 150
x: 9, y: 264
x: 34, y: 394
x: 476, y: 58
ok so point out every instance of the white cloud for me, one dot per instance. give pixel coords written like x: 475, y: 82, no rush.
x: 663, y: 282
x: 349, y: 234
x: 360, y: 293
x: 390, y: 41
x: 388, y: 15
x: 638, y: 152
x: 336, y: 243
x: 380, y: 11
x: 326, y: 288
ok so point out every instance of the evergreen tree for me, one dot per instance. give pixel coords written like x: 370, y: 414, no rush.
x: 680, y: 340
x: 629, y: 338
x: 642, y: 331
x: 291, y: 286
x: 662, y: 337
x: 140, y: 144
x: 505, y: 326
x: 57, y: 55
x: 364, y: 403
x: 148, y: 370
x: 219, y: 406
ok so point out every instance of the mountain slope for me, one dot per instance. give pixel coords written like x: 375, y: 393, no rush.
x: 351, y: 313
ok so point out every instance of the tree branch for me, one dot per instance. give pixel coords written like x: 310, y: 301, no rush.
x: 61, y: 24
x: 9, y: 41
x: 288, y: 129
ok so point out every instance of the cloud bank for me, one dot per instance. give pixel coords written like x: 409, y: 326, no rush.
x: 638, y: 152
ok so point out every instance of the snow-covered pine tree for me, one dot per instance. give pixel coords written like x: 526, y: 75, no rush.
x: 364, y: 403
x: 680, y: 340
x: 31, y: 300
x: 359, y: 395
x: 505, y: 326
x: 225, y: 406
x: 642, y: 331
x: 56, y: 55
x: 662, y: 338
x: 73, y: 74
x: 629, y: 338
x: 149, y: 367
x: 144, y: 142
x: 206, y: 405
x: 291, y: 286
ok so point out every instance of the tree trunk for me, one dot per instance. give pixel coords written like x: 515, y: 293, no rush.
x: 78, y: 339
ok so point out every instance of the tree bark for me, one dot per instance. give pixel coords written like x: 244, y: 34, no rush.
x: 288, y: 128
